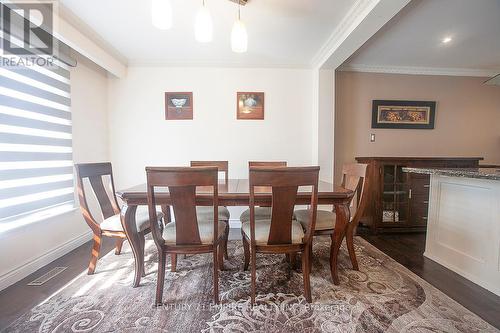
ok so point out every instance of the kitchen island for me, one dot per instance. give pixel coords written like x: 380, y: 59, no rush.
x: 463, y: 227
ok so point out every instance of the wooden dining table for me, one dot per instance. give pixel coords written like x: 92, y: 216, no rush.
x: 234, y: 192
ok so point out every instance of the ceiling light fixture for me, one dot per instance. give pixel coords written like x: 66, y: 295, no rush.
x: 161, y: 14
x: 446, y: 40
x: 203, y: 26
x: 239, y: 36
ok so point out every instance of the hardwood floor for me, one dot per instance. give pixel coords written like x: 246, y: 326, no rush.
x: 408, y: 249
x: 19, y: 298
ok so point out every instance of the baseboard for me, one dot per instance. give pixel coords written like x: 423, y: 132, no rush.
x: 234, y: 223
x: 32, y: 266
x: 474, y: 279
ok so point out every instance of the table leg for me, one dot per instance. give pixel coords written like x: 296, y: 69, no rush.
x: 127, y: 216
x: 343, y: 216
x: 142, y: 243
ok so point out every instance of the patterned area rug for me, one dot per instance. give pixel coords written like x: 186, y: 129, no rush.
x: 382, y: 297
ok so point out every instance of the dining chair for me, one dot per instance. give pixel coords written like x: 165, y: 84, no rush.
x: 354, y: 178
x: 281, y: 233
x: 206, y: 213
x: 261, y: 213
x: 187, y: 235
x: 111, y: 225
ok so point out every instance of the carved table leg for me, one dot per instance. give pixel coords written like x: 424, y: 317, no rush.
x: 128, y: 222
x: 142, y: 243
x: 343, y: 216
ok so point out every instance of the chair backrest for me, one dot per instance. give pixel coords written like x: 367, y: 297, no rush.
x: 284, y: 183
x: 267, y: 164
x: 95, y: 173
x: 355, y: 178
x: 182, y: 183
x: 223, y: 166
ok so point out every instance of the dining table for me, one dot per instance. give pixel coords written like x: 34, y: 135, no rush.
x: 233, y: 192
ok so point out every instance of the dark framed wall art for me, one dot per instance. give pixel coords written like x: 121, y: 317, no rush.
x: 403, y: 114
x: 178, y: 105
x: 250, y: 105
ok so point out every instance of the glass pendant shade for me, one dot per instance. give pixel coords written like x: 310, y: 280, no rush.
x: 161, y: 14
x: 239, y: 37
x: 203, y: 26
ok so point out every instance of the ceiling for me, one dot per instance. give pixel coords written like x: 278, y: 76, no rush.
x: 282, y: 33
x: 414, y: 37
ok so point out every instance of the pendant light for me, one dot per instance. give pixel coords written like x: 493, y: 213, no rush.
x: 161, y: 14
x: 203, y: 26
x: 239, y: 36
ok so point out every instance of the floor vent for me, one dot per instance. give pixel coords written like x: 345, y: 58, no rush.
x: 47, y: 276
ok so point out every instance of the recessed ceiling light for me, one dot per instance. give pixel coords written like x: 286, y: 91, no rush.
x: 446, y: 40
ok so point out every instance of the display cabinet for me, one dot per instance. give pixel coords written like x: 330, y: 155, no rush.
x: 398, y: 200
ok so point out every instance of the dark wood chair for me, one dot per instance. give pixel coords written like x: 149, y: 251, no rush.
x: 354, y: 177
x: 261, y: 213
x: 111, y: 225
x: 206, y: 213
x: 187, y: 235
x: 280, y: 234
x: 223, y: 166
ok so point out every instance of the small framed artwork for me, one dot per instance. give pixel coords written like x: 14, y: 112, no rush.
x: 178, y: 105
x: 250, y: 105
x: 403, y: 114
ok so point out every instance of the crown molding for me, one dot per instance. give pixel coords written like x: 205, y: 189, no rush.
x: 351, y: 20
x: 419, y: 70
x: 212, y: 64
x: 83, y: 39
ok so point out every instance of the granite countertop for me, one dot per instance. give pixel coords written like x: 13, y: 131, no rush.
x: 482, y: 173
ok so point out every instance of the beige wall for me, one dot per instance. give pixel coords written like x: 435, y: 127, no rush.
x: 467, y: 117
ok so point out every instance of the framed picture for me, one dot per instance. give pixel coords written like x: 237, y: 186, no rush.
x: 178, y: 105
x: 403, y: 114
x: 250, y: 105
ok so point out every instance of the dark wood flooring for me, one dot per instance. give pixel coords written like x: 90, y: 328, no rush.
x: 20, y: 298
x: 407, y: 249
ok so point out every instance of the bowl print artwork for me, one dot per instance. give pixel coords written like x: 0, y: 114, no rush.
x: 178, y: 105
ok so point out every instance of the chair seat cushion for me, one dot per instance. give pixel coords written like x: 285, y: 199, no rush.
x: 205, y: 228
x: 325, y: 219
x: 113, y: 223
x: 263, y: 228
x: 207, y: 213
x: 261, y: 213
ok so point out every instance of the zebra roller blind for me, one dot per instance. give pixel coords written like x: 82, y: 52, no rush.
x: 36, y: 172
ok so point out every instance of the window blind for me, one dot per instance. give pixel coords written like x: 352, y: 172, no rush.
x: 36, y: 172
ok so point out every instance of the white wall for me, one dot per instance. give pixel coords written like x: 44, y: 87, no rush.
x: 326, y: 126
x: 140, y: 135
x: 23, y: 249
x: 122, y: 120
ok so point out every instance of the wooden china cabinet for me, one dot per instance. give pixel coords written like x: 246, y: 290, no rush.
x: 399, y: 201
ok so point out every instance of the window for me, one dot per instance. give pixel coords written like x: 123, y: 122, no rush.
x: 36, y: 168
